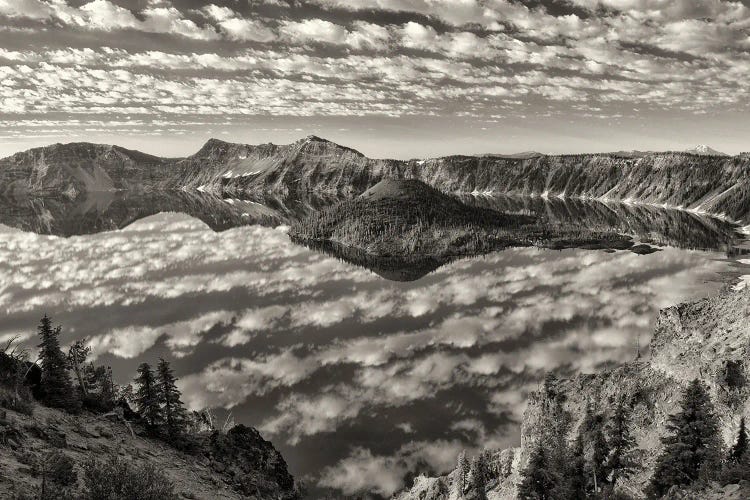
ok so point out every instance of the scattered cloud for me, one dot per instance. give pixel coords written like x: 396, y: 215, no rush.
x: 488, y: 58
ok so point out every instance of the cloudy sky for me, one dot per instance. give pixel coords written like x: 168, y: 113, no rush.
x: 393, y: 78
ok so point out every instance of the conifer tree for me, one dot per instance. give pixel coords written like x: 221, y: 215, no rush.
x: 462, y: 469
x: 57, y: 388
x: 107, y: 393
x: 77, y: 354
x: 577, y: 472
x: 537, y: 481
x: 692, y: 448
x: 173, y: 411
x: 147, y: 397
x: 479, y: 473
x: 739, y: 449
x: 593, y: 437
x: 621, y: 461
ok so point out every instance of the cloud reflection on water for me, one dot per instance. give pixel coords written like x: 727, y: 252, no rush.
x: 359, y: 381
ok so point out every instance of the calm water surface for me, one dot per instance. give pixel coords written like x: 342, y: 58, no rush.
x: 361, y: 382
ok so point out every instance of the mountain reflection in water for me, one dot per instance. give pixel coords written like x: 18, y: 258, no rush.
x: 360, y: 381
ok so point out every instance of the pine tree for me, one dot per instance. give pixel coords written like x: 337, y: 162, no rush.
x: 577, y: 473
x: 57, y: 388
x: 692, y: 448
x: 462, y: 469
x: 592, y: 435
x: 108, y: 390
x: 621, y: 461
x: 147, y: 397
x: 479, y: 473
x: 536, y: 482
x: 739, y: 449
x: 175, y: 416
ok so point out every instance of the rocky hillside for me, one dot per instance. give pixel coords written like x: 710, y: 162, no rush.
x: 708, y: 339
x: 308, y: 164
x: 704, y: 183
x: 235, y: 465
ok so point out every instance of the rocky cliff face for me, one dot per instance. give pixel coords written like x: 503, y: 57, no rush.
x: 71, y: 169
x: 708, y: 339
x: 703, y: 183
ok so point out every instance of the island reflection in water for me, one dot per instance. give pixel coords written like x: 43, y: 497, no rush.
x: 360, y: 381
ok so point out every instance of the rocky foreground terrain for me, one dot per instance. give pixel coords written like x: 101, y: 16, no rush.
x: 238, y: 464
x: 708, y: 339
x: 704, y: 183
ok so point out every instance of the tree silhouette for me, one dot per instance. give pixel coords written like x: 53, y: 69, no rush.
x: 537, y: 481
x: 692, y: 448
x: 462, y: 469
x: 592, y: 435
x: 172, y: 408
x: 77, y: 354
x: 147, y: 397
x: 480, y: 475
x: 621, y: 461
x: 577, y: 474
x: 57, y: 389
x: 740, y: 447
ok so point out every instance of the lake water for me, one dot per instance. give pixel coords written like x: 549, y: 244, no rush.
x: 360, y: 381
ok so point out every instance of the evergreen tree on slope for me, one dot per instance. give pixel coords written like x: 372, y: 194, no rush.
x: 173, y: 411
x: 57, y: 388
x: 739, y: 449
x: 692, y: 449
x: 147, y: 397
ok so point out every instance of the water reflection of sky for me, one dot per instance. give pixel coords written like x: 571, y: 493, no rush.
x: 358, y: 381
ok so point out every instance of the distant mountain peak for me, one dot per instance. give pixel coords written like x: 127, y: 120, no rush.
x: 213, y: 142
x: 210, y: 145
x: 702, y: 149
x: 316, y: 142
x: 314, y: 138
x: 524, y: 155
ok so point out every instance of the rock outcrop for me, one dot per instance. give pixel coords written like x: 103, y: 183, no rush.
x: 704, y: 183
x: 237, y: 465
x: 708, y: 339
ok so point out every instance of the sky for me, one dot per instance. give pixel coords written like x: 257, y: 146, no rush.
x: 391, y: 78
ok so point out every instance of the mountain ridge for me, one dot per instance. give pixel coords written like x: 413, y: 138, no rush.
x: 706, y: 184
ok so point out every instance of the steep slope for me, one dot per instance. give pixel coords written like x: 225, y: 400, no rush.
x: 705, y: 184
x: 234, y: 465
x: 311, y: 164
x: 76, y: 168
x: 708, y: 339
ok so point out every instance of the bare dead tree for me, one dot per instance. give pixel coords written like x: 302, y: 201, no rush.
x: 77, y: 354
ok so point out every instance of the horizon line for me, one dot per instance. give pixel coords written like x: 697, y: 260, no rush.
x: 518, y: 154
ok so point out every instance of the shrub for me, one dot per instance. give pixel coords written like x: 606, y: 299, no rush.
x: 49, y: 491
x: 117, y: 479
x: 20, y: 403
x: 56, y: 467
